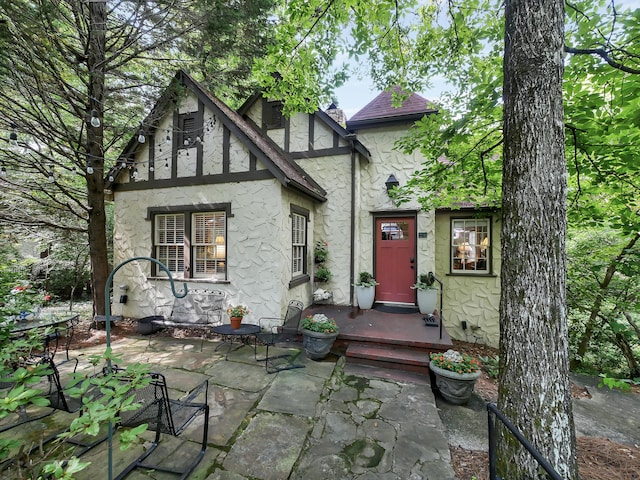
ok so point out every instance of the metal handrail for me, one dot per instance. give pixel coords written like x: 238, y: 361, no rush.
x: 546, y: 466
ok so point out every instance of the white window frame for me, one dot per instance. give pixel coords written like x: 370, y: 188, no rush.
x: 189, y: 251
x: 298, y: 244
x: 470, y: 247
x: 168, y: 243
x: 208, y: 244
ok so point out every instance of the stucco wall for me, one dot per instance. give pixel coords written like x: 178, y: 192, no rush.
x: 373, y: 197
x: 472, y: 298
x: 254, y: 246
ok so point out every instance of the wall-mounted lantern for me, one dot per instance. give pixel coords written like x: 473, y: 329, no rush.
x: 391, y: 183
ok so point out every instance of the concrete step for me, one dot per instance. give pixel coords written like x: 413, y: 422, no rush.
x: 388, y: 356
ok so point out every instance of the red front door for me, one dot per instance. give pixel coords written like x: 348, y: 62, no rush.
x: 395, y: 259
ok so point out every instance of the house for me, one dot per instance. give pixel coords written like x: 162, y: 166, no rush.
x: 236, y: 201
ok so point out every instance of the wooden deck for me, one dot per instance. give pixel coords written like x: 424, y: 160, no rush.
x: 389, y: 340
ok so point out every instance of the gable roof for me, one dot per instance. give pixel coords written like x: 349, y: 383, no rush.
x: 324, y: 117
x: 380, y: 111
x: 285, y: 170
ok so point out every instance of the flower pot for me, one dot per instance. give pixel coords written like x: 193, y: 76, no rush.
x: 455, y: 387
x: 427, y: 300
x: 365, y: 297
x: 146, y: 327
x: 317, y: 345
x: 235, y: 322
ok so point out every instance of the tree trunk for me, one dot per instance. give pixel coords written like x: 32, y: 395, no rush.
x: 534, y: 391
x: 95, y: 153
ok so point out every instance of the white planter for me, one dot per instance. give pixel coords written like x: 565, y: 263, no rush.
x: 427, y: 300
x: 365, y: 296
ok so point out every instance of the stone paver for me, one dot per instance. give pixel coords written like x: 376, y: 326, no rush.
x: 312, y: 423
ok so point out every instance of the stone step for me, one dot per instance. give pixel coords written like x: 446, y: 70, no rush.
x: 402, y: 358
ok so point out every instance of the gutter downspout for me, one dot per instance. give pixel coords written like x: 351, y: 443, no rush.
x: 353, y: 222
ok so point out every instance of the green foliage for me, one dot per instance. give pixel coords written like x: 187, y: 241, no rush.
x: 319, y: 323
x: 620, y: 384
x: 365, y: 279
x: 320, y: 252
x: 323, y: 274
x: 425, y: 282
x: 491, y: 365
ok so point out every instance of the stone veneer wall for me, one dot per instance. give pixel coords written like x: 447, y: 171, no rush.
x: 472, y: 298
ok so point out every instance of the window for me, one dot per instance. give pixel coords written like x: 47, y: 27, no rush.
x: 192, y: 244
x: 210, y: 253
x: 272, y: 116
x: 470, y: 245
x: 169, y: 242
x: 298, y: 241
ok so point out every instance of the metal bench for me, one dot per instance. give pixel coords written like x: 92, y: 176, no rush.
x: 200, y: 309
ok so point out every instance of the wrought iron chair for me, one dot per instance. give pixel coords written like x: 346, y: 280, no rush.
x: 165, y: 415
x: 53, y: 390
x: 284, y: 330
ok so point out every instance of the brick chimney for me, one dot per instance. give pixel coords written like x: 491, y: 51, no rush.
x: 337, y: 114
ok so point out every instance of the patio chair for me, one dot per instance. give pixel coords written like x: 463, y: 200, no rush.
x: 285, y: 330
x: 53, y: 391
x: 165, y: 415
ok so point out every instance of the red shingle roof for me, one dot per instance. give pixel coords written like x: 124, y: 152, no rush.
x: 381, y: 108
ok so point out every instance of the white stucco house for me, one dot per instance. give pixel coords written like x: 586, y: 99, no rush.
x: 236, y: 200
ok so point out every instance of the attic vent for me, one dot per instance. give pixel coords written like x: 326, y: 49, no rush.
x: 188, y: 131
x: 272, y: 115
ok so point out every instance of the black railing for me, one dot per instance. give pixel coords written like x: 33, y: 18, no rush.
x: 493, y: 410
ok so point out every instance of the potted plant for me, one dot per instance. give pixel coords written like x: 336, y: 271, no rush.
x: 427, y: 293
x: 365, y: 290
x: 320, y: 252
x: 323, y: 274
x: 456, y: 374
x: 318, y: 334
x: 235, y: 315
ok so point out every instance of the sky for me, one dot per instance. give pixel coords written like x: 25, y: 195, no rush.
x: 356, y: 93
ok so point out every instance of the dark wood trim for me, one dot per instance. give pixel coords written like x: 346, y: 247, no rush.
x: 324, y: 152
x: 336, y: 140
x: 199, y: 145
x: 175, y: 138
x: 253, y: 162
x: 226, y: 145
x: 287, y: 135
x: 299, y: 280
x: 201, y: 207
x: 152, y: 158
x: 293, y: 208
x: 311, y: 133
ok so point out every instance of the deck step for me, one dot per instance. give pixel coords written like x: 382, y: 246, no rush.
x: 388, y: 356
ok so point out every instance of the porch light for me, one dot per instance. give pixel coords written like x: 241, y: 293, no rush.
x: 391, y: 183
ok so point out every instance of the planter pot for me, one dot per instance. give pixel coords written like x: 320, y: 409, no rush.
x: 365, y: 296
x: 145, y: 327
x: 427, y: 300
x: 317, y: 345
x: 455, y: 387
x: 235, y: 322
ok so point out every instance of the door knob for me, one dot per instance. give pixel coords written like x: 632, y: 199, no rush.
x: 412, y: 260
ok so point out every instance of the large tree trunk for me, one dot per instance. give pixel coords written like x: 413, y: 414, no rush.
x: 95, y: 153
x: 534, y: 389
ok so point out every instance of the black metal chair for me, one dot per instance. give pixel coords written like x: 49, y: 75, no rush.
x: 165, y: 415
x: 286, y: 330
x: 53, y: 390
